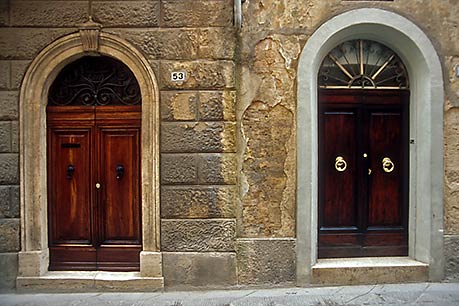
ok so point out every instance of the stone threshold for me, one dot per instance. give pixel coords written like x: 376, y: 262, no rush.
x: 89, y: 281
x: 368, y: 270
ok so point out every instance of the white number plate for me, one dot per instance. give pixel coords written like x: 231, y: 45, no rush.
x: 178, y: 76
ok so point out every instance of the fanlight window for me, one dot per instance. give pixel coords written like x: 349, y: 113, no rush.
x: 363, y: 64
x: 93, y: 81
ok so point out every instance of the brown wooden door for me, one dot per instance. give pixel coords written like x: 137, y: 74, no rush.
x: 94, y: 187
x: 363, y: 173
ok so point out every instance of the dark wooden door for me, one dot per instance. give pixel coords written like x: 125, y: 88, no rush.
x: 363, y: 173
x: 94, y: 187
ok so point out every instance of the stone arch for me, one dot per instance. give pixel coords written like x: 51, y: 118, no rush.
x: 33, y: 258
x: 426, y: 131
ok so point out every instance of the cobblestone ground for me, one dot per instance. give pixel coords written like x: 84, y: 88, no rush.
x: 437, y: 294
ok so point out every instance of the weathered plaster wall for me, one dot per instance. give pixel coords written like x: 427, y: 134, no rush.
x: 273, y: 34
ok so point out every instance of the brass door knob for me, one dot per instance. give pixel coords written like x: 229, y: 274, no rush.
x: 97, y: 185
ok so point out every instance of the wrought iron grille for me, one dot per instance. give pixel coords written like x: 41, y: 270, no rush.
x: 363, y: 64
x: 95, y: 80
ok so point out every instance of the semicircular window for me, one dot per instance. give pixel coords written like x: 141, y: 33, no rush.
x: 362, y: 64
x: 95, y: 81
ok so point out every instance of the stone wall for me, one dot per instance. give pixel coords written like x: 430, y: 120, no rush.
x: 228, y: 133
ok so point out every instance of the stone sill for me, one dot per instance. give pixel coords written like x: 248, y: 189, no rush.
x: 89, y: 281
x: 368, y: 270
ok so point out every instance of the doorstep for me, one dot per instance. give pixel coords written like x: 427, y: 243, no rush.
x: 89, y: 281
x: 368, y: 270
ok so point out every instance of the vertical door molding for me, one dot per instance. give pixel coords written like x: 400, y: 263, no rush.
x: 33, y: 258
x: 426, y: 130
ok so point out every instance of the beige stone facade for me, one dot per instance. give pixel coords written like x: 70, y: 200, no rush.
x: 225, y: 201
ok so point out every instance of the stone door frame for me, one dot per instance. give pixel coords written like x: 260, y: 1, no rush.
x: 426, y: 132
x: 34, y: 255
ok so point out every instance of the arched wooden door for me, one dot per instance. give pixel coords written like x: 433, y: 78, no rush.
x: 363, y: 152
x: 94, y: 119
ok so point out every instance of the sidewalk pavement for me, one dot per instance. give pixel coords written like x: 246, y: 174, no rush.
x: 437, y: 294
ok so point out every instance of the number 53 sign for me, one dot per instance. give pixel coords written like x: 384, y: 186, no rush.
x: 178, y: 76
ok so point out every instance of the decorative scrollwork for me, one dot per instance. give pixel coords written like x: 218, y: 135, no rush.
x: 363, y: 64
x: 94, y: 80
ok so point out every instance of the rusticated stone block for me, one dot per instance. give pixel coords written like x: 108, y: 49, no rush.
x: 217, y: 43
x: 217, y: 169
x: 217, y: 105
x: 266, y: 261
x: 179, y: 106
x: 4, y: 13
x: 210, y: 270
x: 14, y: 136
x: 9, y: 202
x: 198, y: 235
x: 5, y: 72
x: 198, y: 137
x: 163, y: 43
x: 126, y: 13
x: 5, y: 136
x: 198, y: 202
x: 451, y: 243
x: 200, y: 74
x: 9, y: 169
x: 25, y: 43
x: 9, y: 235
x: 197, y: 13
x: 48, y: 13
x: 18, y: 69
x: 8, y: 105
x: 8, y: 270
x: 179, y: 169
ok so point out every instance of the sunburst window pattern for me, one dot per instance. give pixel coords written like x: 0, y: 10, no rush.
x: 362, y: 64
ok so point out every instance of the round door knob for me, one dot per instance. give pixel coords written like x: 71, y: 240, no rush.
x: 97, y: 185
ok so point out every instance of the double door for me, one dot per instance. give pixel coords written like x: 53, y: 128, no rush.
x: 94, y: 213
x: 363, y: 173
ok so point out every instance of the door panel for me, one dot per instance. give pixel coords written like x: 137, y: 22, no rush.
x: 385, y: 187
x: 339, y: 206
x: 363, y: 210
x: 119, y: 209
x: 69, y: 198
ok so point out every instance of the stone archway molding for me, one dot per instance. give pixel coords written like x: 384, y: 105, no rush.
x: 33, y: 258
x: 426, y: 132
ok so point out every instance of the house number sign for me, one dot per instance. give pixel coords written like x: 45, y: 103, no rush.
x: 178, y: 76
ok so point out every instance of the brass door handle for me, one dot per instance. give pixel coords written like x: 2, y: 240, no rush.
x: 387, y: 165
x: 340, y: 164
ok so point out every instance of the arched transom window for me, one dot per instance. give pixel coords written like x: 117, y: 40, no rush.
x: 95, y: 80
x: 363, y: 64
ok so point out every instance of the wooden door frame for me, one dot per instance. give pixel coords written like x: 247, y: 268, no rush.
x: 34, y: 255
x: 426, y: 129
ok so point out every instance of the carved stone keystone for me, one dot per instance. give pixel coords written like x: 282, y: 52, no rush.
x: 89, y: 33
